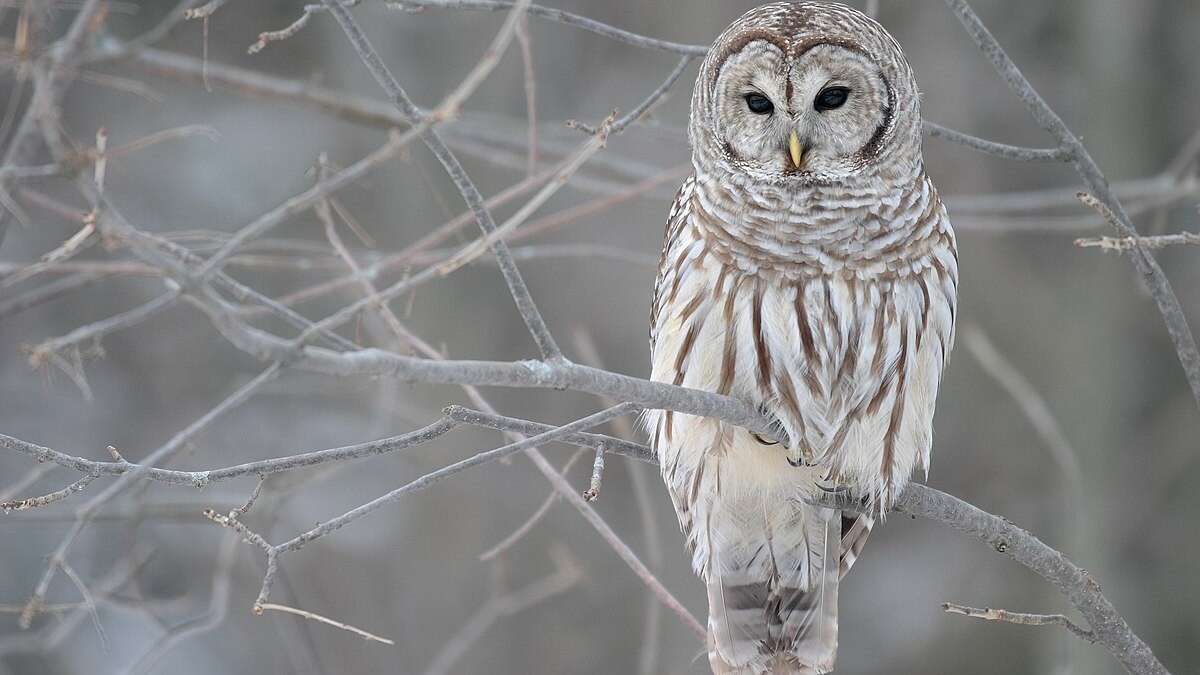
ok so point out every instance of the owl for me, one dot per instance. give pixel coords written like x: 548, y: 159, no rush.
x: 810, y: 270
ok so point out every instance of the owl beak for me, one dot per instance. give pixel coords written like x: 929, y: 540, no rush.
x: 795, y: 150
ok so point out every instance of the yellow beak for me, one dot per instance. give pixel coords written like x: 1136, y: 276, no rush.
x: 796, y: 150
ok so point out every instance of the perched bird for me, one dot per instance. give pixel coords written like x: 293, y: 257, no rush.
x: 809, y: 269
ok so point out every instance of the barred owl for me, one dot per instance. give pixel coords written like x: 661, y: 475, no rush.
x: 810, y: 270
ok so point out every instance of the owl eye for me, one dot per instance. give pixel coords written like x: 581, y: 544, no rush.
x: 759, y: 104
x: 831, y: 98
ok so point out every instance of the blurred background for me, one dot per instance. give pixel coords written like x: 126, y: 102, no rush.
x: 1071, y: 325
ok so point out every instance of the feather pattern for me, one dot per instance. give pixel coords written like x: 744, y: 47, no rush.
x: 828, y: 301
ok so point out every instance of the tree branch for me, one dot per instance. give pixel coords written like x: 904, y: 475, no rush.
x: 1022, y: 618
x: 1105, y: 201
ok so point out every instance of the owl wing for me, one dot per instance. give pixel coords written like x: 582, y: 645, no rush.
x: 668, y: 274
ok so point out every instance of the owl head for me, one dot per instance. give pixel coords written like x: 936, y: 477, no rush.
x: 805, y: 93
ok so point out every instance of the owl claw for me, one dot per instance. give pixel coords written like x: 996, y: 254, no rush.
x: 762, y: 440
x: 800, y: 457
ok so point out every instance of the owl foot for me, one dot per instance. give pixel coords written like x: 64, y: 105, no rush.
x: 777, y: 431
x: 842, y: 496
x: 801, y: 456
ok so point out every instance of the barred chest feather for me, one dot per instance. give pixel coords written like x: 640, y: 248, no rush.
x: 840, y: 330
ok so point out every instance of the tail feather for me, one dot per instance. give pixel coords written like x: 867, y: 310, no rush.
x: 773, y: 609
x: 854, y: 537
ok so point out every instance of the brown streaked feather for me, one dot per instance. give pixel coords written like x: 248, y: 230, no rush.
x: 806, y: 335
x: 729, y: 353
x: 760, y: 343
x: 684, y: 351
x: 855, y: 531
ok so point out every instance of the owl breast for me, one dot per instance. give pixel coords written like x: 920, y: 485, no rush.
x: 845, y: 348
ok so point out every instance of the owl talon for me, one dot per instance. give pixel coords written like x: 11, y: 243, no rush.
x: 833, y: 489
x: 800, y: 458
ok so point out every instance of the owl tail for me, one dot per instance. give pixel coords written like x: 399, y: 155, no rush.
x: 773, y: 608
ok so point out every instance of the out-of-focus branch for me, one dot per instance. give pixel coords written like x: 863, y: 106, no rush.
x: 218, y: 608
x: 498, y: 607
x: 1077, y: 585
x: 1036, y: 410
x: 375, y: 113
x: 433, y: 140
x: 1103, y: 199
x: 162, y: 454
x: 49, y: 91
x: 559, y: 16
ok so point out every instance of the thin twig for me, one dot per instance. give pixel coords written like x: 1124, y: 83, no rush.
x: 47, y: 499
x: 163, y: 453
x: 466, y: 187
x: 1022, y: 618
x: 997, y: 149
x: 89, y: 603
x: 218, y: 608
x: 499, y: 607
x: 259, y: 608
x: 593, y: 491
x: 563, y: 17
x: 50, y: 91
x: 1036, y: 410
x: 1076, y: 584
x: 530, y: 522
x: 1126, y: 244
x: 530, y: 79
x: 94, y: 331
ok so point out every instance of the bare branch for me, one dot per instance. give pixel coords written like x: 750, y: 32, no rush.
x: 1036, y: 410
x: 309, y: 197
x: 325, y: 620
x: 89, y: 603
x: 1126, y: 244
x: 516, y: 535
x: 50, y: 91
x: 1076, y: 584
x: 1024, y: 619
x: 94, y: 331
x: 429, y: 479
x: 593, y: 491
x: 466, y: 187
x: 997, y: 149
x: 560, y: 16
x: 264, y: 467
x: 163, y: 453
x: 502, y: 606
x: 218, y: 608
x: 1147, y: 267
x: 47, y: 499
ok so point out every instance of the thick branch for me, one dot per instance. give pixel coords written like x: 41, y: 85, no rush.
x: 1079, y: 587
